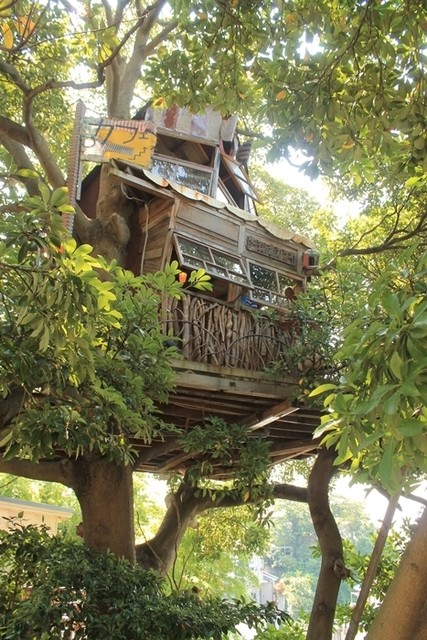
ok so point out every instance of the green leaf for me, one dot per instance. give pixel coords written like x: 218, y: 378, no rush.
x: 412, y: 181
x: 395, y: 363
x: 391, y: 304
x: 322, y: 389
x: 391, y: 405
x: 411, y: 427
x: 6, y: 438
x: 59, y: 197
x: 45, y: 192
x: 27, y: 173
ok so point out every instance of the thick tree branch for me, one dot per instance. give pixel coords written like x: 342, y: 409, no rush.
x: 122, y: 92
x: 21, y: 159
x: 50, y: 470
x: 160, y: 552
x: 30, y: 137
x: 15, y: 131
x: 393, y: 621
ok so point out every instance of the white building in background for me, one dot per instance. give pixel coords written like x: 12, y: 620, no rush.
x: 36, y: 513
x: 269, y: 587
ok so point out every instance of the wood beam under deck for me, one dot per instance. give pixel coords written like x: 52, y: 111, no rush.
x: 238, y: 396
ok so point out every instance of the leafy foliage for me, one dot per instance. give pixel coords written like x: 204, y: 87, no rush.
x: 376, y: 415
x: 228, y: 447
x: 80, y: 341
x: 283, y: 204
x: 50, y: 587
x: 343, y: 83
x: 358, y: 562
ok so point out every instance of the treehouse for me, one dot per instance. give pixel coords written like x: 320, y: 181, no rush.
x: 186, y: 177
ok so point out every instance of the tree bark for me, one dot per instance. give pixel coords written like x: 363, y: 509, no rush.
x: 160, y: 552
x: 372, y: 568
x: 332, y: 569
x: 403, y: 613
x: 104, y: 491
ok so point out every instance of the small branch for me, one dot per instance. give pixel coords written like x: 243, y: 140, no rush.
x: 157, y: 40
x: 52, y: 85
x: 13, y: 73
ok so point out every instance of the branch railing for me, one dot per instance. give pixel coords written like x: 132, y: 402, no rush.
x: 215, y: 332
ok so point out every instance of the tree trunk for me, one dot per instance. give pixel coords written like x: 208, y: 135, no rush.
x: 104, y: 491
x: 403, y: 614
x: 372, y: 568
x: 332, y: 569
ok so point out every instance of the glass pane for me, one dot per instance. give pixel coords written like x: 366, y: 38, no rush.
x: 211, y: 268
x: 263, y: 277
x: 190, y: 177
x: 227, y: 262
x: 285, y: 282
x: 243, y: 180
x: 193, y: 249
x: 261, y: 294
x: 280, y: 301
x: 193, y: 262
x: 237, y: 278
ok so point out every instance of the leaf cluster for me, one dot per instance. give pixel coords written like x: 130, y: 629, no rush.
x: 358, y: 562
x: 227, y: 450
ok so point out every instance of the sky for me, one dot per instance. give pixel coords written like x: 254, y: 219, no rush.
x: 376, y: 504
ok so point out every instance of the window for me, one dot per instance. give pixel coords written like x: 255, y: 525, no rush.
x: 270, y: 286
x: 182, y: 172
x: 223, y: 194
x: 195, y: 255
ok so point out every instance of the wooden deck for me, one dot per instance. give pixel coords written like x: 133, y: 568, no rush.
x: 240, y: 396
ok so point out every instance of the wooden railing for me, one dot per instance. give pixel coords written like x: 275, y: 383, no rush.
x: 215, y: 332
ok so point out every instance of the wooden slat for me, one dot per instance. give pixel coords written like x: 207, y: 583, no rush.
x: 270, y: 415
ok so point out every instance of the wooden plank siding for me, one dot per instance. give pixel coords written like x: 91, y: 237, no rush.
x: 221, y: 230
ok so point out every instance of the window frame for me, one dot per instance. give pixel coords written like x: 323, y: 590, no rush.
x: 207, y: 262
x: 273, y: 294
x: 184, y: 163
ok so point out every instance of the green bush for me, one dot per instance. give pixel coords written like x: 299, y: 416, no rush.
x: 52, y: 589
